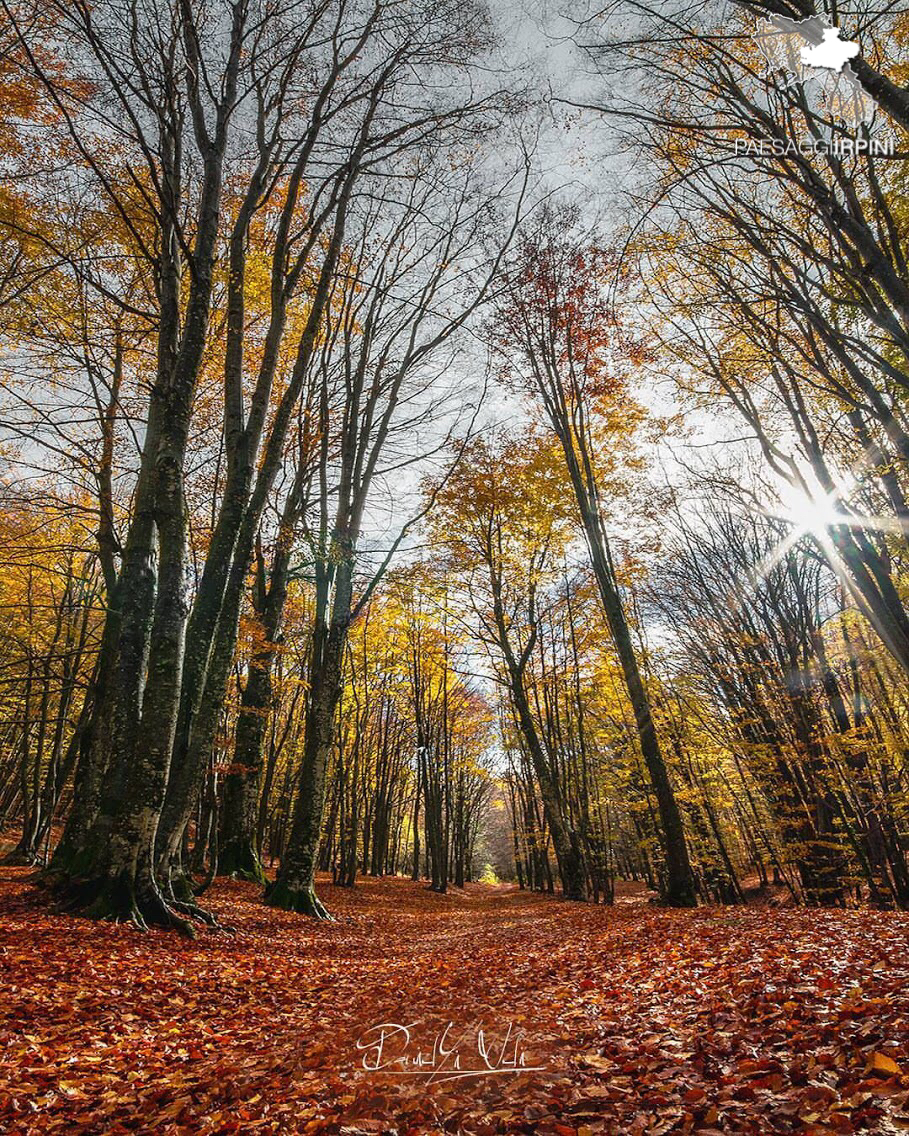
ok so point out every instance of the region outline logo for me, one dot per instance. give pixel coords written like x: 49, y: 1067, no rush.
x: 811, y: 53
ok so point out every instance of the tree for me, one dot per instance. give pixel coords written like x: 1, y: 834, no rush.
x: 421, y: 264
x: 166, y: 110
x: 562, y: 344
x: 501, y: 520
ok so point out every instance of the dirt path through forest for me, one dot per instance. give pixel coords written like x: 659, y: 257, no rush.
x: 729, y: 1020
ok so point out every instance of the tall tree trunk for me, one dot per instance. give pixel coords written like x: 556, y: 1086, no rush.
x: 294, y: 887
x: 680, y: 885
x: 238, y: 841
x: 216, y: 621
x: 107, y: 859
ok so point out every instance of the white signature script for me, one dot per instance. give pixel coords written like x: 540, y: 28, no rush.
x: 390, y: 1047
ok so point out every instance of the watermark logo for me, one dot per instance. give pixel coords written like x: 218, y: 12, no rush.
x: 452, y: 1053
x: 813, y: 55
x: 807, y: 147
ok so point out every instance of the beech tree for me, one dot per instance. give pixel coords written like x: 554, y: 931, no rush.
x: 377, y: 105
x: 173, y: 113
x: 235, y: 148
x: 557, y: 331
x: 794, y: 312
x: 264, y: 265
x: 502, y: 521
x: 421, y: 264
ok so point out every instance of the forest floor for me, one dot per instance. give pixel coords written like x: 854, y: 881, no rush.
x: 642, y: 1020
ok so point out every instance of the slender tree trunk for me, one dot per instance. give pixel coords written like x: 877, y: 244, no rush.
x: 680, y: 886
x: 238, y: 841
x: 294, y: 887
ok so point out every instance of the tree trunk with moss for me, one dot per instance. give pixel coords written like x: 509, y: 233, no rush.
x: 294, y: 888
x: 105, y: 865
x: 239, y: 850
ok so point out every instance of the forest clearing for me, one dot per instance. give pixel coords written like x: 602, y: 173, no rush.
x: 759, y: 1019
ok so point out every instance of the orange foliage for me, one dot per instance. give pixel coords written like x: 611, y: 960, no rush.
x: 757, y: 1020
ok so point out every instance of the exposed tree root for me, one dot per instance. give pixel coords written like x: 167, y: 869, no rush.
x: 115, y: 901
x: 181, y: 897
x: 240, y: 862
x: 302, y: 900
x: 250, y: 877
x: 194, y: 911
x: 178, y: 884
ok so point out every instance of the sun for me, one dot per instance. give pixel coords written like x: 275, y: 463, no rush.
x: 810, y: 514
x: 806, y: 512
x: 826, y: 519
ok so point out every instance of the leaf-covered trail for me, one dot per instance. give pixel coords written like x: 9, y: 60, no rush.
x: 752, y: 1020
